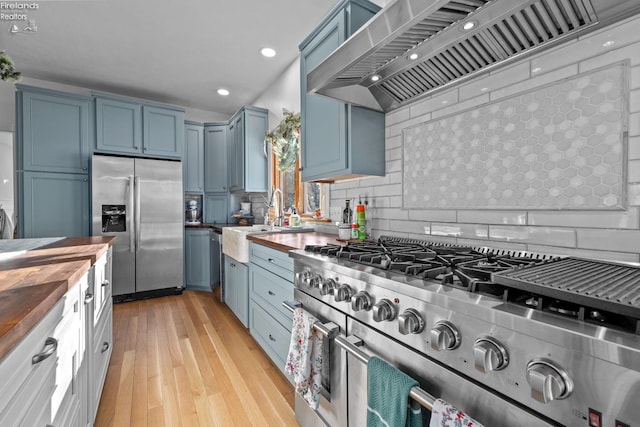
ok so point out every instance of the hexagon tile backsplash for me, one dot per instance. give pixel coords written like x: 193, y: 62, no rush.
x: 560, y: 146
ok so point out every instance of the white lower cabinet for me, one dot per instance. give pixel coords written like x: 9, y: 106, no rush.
x: 54, y: 375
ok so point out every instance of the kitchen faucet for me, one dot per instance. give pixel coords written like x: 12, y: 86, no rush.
x: 278, y: 206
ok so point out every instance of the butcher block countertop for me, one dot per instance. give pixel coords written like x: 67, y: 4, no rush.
x: 291, y: 241
x: 32, y: 282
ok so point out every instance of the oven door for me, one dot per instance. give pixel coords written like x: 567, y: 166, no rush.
x: 332, y: 409
x: 484, y: 406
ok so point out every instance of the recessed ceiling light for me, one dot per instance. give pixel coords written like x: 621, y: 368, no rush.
x: 268, y: 52
x: 608, y: 43
x: 413, y: 57
x: 375, y: 78
x: 468, y: 25
x: 223, y: 92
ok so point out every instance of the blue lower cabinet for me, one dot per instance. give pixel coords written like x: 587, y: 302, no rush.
x: 271, y: 335
x: 53, y: 204
x: 236, y: 289
x: 197, y: 259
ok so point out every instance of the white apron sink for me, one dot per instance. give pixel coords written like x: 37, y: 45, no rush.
x: 236, y: 245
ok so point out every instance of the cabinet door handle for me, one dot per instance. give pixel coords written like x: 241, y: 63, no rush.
x: 233, y: 265
x: 272, y: 260
x: 105, y: 283
x: 84, y: 168
x: 50, y: 347
x: 88, y: 298
x: 105, y: 347
x: 272, y: 294
x: 272, y: 338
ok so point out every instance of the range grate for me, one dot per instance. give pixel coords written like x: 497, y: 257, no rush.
x: 595, y: 284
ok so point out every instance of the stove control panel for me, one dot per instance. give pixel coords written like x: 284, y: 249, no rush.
x: 410, y: 322
x: 444, y: 336
x: 344, y: 293
x: 548, y: 381
x: 327, y: 287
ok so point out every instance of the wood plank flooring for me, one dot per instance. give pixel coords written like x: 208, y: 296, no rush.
x: 187, y: 361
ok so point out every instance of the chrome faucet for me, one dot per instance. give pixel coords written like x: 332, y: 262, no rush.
x: 278, y: 206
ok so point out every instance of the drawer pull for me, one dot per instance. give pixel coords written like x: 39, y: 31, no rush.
x: 272, y: 260
x: 50, y: 346
x: 272, y: 293
x: 88, y: 298
x: 272, y: 338
x: 105, y: 283
x: 105, y: 347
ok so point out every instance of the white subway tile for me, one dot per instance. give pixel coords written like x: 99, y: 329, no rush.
x: 629, y: 52
x: 432, y: 215
x: 461, y: 106
x: 537, y: 81
x: 609, y: 240
x: 338, y: 194
x: 433, y: 103
x: 634, y: 171
x: 397, y: 116
x: 393, y: 166
x: 458, y: 230
x: 634, y: 124
x: 411, y: 227
x: 441, y: 239
x: 634, y: 147
x: 584, y: 253
x: 593, y: 219
x: 633, y: 194
x: 393, y: 142
x: 387, y: 190
x: 391, y: 213
x: 493, y: 217
x: 395, y: 201
x: 378, y: 224
x: 495, y: 80
x: 395, y: 154
x: 634, y: 99
x: 396, y: 129
x: 635, y: 77
x: 534, y: 235
x: 493, y: 244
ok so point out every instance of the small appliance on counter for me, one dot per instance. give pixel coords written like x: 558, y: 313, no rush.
x: 193, y: 208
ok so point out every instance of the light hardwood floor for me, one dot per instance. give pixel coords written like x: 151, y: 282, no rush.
x: 187, y: 361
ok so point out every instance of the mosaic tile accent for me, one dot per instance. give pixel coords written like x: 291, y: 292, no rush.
x: 560, y: 146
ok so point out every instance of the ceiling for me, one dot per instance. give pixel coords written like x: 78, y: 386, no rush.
x: 167, y: 51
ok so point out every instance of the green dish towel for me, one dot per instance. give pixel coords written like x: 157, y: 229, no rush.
x: 388, y: 397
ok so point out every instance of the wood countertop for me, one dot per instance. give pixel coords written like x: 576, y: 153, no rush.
x: 291, y: 241
x: 217, y: 227
x: 33, y: 282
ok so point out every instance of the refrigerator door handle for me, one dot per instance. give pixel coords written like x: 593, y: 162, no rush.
x: 137, y: 212
x: 130, y: 199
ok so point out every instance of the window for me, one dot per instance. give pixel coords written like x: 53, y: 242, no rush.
x: 306, y: 197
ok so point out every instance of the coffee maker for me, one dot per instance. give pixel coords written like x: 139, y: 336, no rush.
x: 193, y: 212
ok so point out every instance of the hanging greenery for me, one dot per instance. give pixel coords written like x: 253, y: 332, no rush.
x: 7, y: 72
x: 284, y: 140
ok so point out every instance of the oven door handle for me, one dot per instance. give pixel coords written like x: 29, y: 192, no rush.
x: 328, y: 330
x: 351, y: 345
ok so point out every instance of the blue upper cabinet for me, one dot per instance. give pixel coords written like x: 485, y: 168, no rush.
x: 132, y: 127
x: 338, y: 140
x: 215, y: 157
x: 53, y: 131
x: 163, y: 132
x: 118, y: 126
x: 193, y: 159
x: 247, y: 155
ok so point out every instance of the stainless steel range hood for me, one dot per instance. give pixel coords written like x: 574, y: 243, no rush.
x: 504, y: 30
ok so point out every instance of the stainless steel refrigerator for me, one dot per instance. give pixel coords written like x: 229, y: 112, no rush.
x: 140, y: 201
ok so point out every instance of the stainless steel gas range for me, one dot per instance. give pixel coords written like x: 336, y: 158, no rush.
x: 512, y: 339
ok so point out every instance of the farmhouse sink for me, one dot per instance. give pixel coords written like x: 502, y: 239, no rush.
x: 236, y: 245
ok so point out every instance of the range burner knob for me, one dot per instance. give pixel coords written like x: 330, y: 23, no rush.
x: 327, y: 287
x: 548, y: 381
x: 410, y: 322
x: 489, y: 355
x: 343, y: 293
x: 303, y: 277
x: 315, y: 281
x: 444, y: 336
x: 384, y: 310
x: 361, y: 301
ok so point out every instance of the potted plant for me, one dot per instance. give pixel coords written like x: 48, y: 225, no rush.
x: 7, y: 72
x: 284, y: 141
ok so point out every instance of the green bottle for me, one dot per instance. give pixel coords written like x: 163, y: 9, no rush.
x: 362, y: 222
